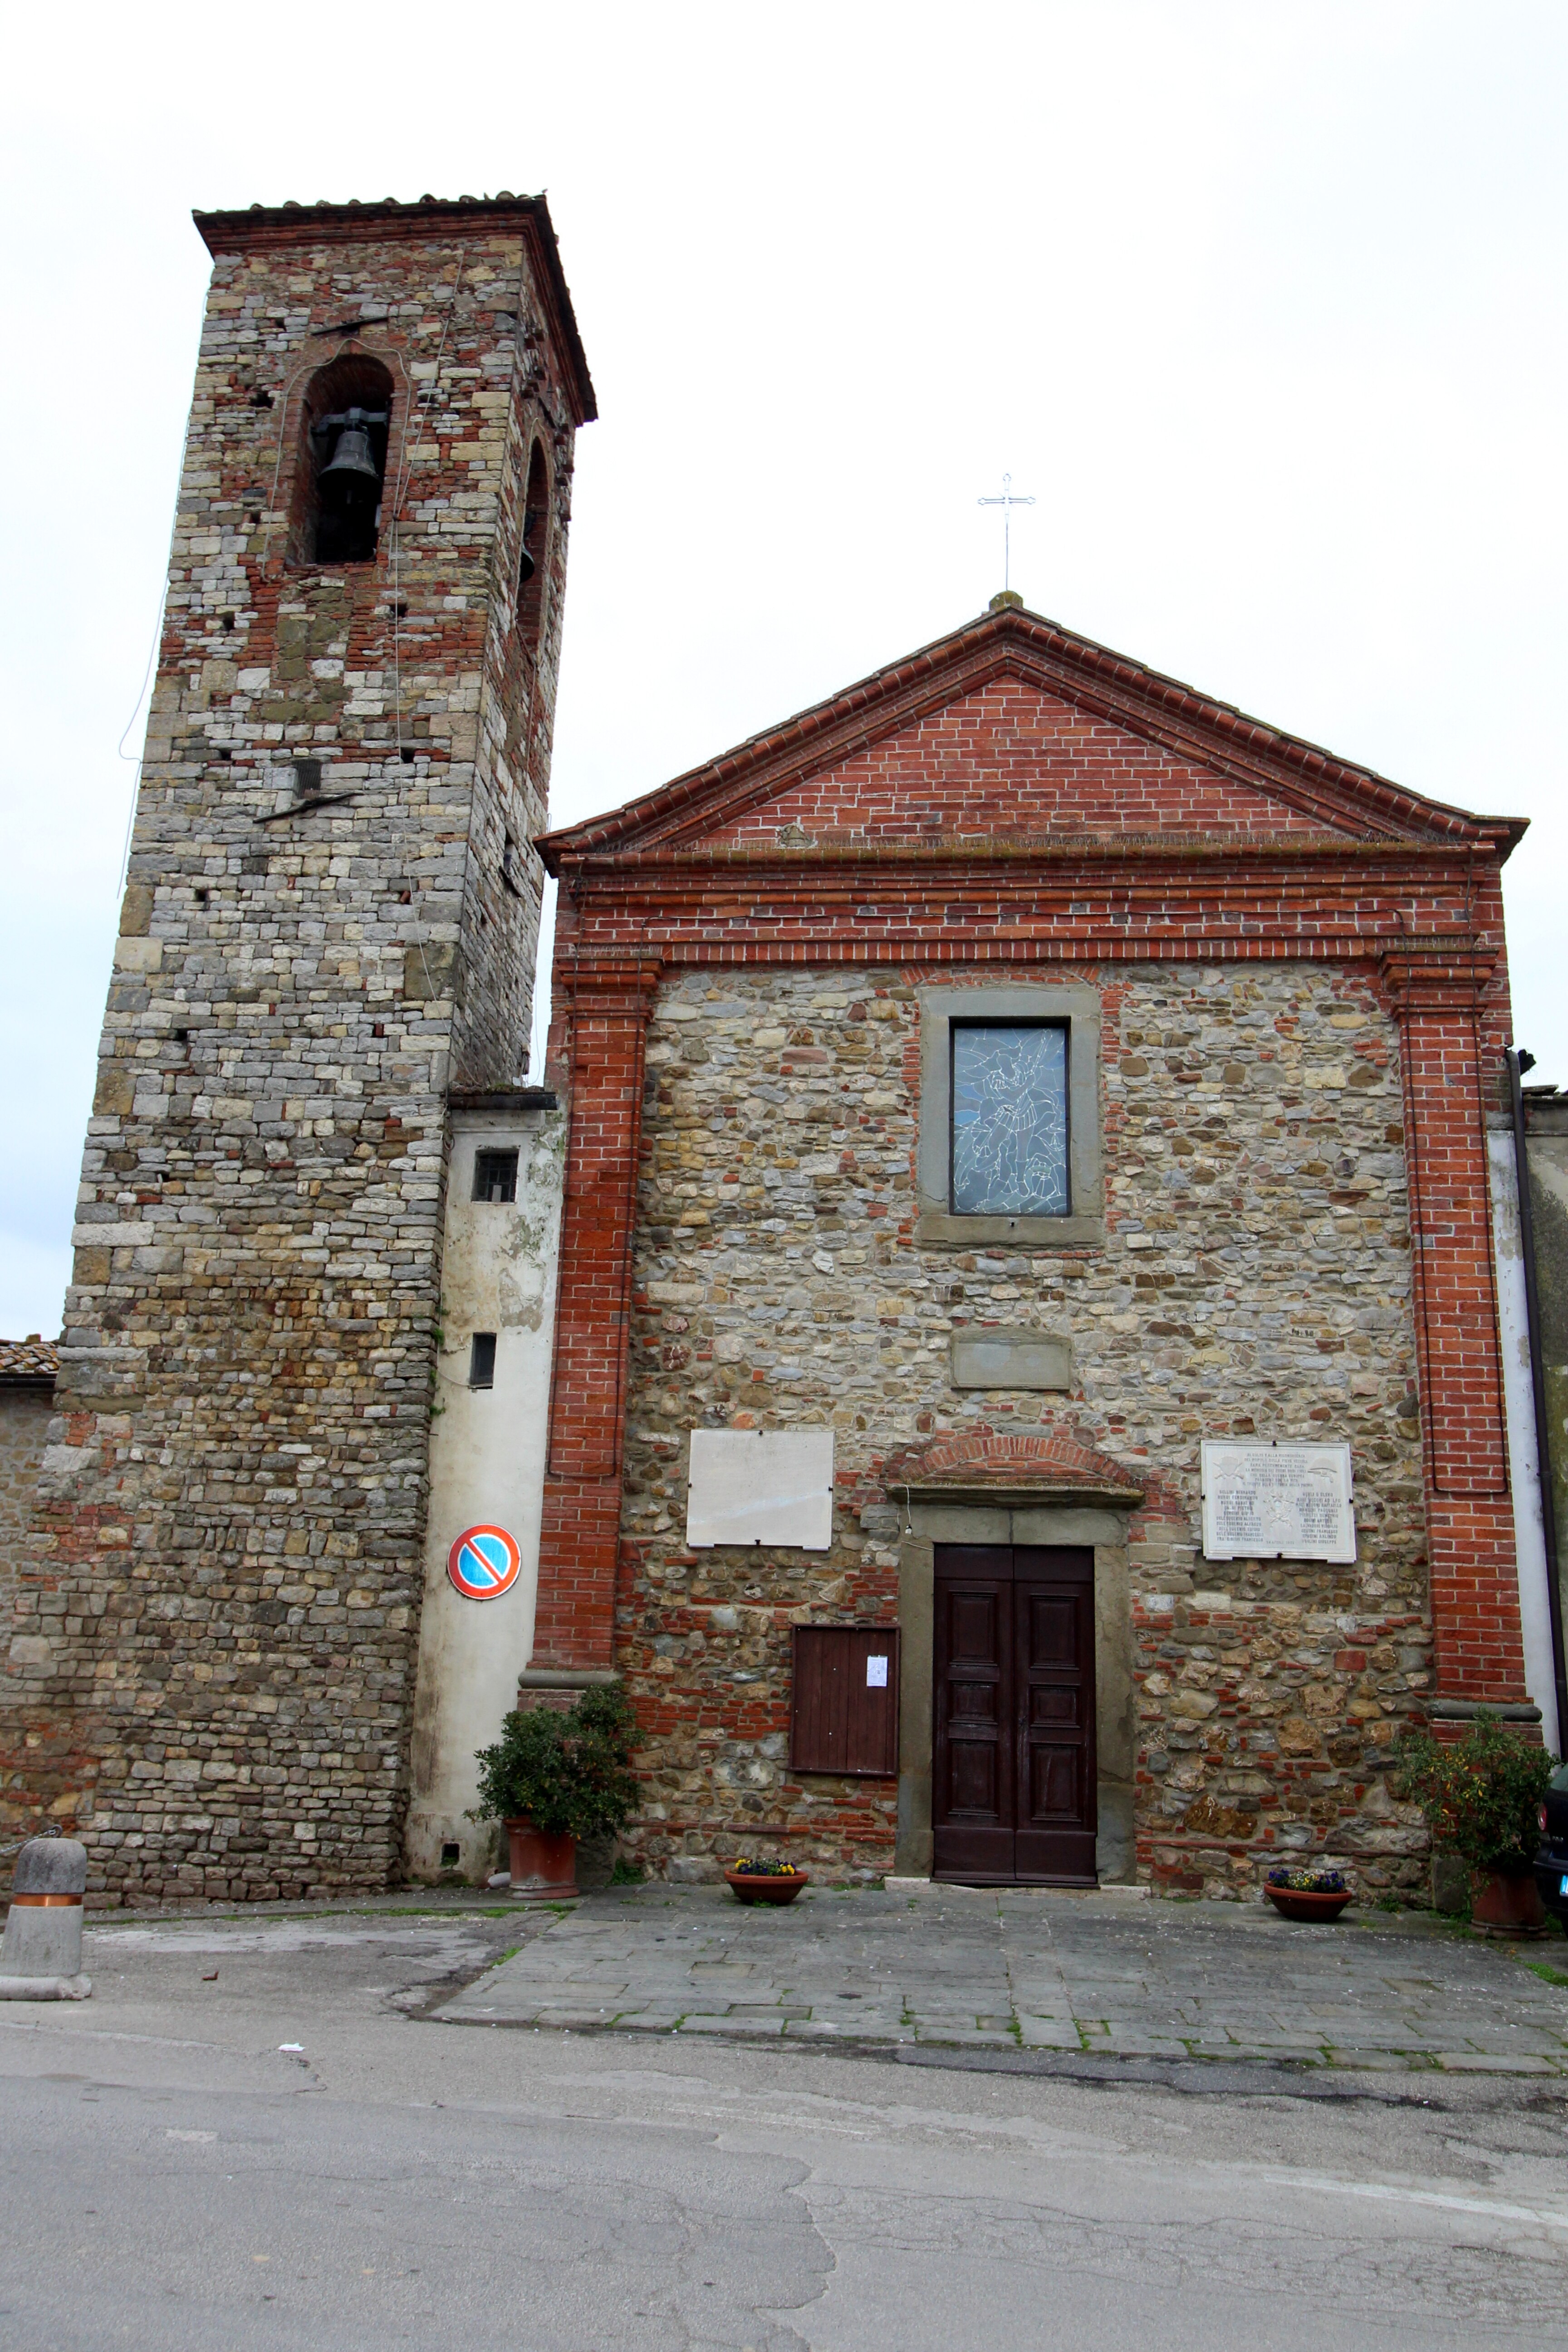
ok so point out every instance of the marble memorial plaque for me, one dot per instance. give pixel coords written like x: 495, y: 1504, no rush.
x: 755, y: 1486
x: 1278, y: 1502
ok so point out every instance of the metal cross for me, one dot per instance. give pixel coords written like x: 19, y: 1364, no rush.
x: 1007, y: 501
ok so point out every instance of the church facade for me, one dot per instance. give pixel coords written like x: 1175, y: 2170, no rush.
x: 1000, y: 1324
x: 816, y: 1004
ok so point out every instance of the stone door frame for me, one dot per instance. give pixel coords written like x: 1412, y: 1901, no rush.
x: 1015, y: 1515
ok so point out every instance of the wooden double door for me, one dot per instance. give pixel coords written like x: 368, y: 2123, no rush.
x: 1014, y: 1772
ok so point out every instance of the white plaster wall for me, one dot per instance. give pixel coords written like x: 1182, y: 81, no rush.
x: 1528, y: 1532
x: 487, y: 1464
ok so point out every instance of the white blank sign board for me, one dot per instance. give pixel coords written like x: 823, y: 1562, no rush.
x: 1278, y: 1502
x: 757, y: 1486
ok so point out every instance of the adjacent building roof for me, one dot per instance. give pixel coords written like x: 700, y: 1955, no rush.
x: 29, y: 1359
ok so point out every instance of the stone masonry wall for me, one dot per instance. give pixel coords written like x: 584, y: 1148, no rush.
x: 1254, y: 1281
x: 229, y: 1552
x: 26, y: 1408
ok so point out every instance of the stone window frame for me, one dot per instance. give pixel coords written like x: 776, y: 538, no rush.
x: 1076, y: 1008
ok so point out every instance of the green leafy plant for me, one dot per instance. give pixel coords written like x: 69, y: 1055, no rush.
x: 1480, y: 1794
x: 568, y: 1772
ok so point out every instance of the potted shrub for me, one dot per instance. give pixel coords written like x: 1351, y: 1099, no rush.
x: 554, y: 1776
x: 1481, y: 1796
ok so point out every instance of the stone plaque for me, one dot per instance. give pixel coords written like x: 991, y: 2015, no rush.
x: 994, y: 1357
x: 1278, y: 1502
x: 753, y: 1485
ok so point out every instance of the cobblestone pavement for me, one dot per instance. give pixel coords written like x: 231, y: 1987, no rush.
x: 1109, y: 1973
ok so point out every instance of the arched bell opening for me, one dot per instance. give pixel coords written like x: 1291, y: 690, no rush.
x: 343, y: 463
x: 533, y: 549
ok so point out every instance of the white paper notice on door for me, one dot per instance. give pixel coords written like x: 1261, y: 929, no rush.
x: 876, y: 1673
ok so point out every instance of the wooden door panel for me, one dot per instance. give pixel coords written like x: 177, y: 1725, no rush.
x: 1051, y: 1634
x: 973, y: 1796
x: 974, y: 1636
x: 973, y: 1782
x: 973, y: 1703
x: 1055, y: 1706
x: 1056, y: 1787
x: 1053, y: 1619
x: 1013, y: 1769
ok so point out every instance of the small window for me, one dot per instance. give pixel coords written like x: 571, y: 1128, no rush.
x: 495, y: 1176
x: 512, y: 867
x: 1009, y: 1111
x: 483, y: 1360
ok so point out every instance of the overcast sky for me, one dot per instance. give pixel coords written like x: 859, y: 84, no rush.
x: 1262, y: 303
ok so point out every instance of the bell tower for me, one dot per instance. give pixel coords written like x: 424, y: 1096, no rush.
x: 329, y: 928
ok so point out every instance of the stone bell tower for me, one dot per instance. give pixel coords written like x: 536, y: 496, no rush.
x: 329, y: 931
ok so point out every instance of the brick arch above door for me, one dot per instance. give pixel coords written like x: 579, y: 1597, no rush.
x: 1014, y: 1471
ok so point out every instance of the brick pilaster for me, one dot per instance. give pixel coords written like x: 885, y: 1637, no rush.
x: 607, y: 1005
x: 1469, y: 1511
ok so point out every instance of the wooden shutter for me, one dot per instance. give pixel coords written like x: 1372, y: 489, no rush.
x: 842, y: 1720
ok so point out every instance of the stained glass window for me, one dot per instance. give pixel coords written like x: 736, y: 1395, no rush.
x: 1009, y: 1119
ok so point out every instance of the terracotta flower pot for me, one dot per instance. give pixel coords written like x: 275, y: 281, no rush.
x: 762, y: 1886
x: 1298, y: 1902
x: 1507, y: 1903
x: 541, y: 1866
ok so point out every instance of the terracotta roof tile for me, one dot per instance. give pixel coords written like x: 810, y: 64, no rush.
x: 29, y: 1359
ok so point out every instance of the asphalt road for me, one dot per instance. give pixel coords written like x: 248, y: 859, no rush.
x: 174, y: 2175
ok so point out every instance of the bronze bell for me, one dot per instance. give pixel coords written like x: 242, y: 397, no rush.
x: 351, y: 458
x: 526, y: 566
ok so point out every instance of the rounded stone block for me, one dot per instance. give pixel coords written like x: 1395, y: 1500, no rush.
x: 43, y: 1927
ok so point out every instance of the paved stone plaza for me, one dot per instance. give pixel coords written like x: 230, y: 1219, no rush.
x: 1109, y: 1973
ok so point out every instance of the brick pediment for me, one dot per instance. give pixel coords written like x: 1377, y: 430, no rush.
x: 1014, y: 732
x: 1011, y: 762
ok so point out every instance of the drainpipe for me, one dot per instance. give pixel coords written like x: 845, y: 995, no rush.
x: 1519, y: 1062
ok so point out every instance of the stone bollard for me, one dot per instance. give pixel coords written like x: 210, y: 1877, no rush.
x: 40, y: 1958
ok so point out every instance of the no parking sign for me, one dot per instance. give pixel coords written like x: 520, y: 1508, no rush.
x: 484, y: 1563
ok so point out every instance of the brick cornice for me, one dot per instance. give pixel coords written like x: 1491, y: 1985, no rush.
x: 1106, y: 684
x: 699, y: 864
x: 1455, y: 975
